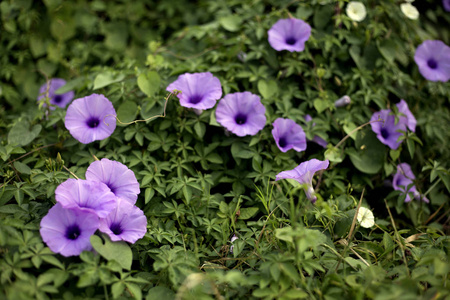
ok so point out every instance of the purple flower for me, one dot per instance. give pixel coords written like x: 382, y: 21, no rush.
x: 288, y: 135
x: 386, y: 130
x: 198, y: 90
x: 91, y: 118
x: 241, y: 113
x: 59, y: 100
x: 304, y: 173
x: 125, y: 223
x: 120, y: 180
x: 433, y: 59
x: 316, y: 139
x: 289, y: 34
x: 410, y: 119
x: 67, y: 231
x: 446, y: 4
x: 404, y: 178
x: 87, y: 195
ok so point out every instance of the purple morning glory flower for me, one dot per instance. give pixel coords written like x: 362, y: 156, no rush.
x: 67, y: 231
x: 241, y: 113
x: 289, y: 34
x: 410, y: 119
x: 433, y: 59
x: 316, y: 139
x: 125, y: 223
x: 87, y: 195
x: 446, y: 4
x: 387, y: 130
x: 304, y: 173
x: 120, y: 180
x: 288, y: 135
x: 198, y: 90
x: 402, y: 179
x: 91, y: 118
x: 59, y: 100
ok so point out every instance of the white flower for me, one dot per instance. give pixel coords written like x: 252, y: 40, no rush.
x: 365, y: 217
x: 356, y: 11
x: 410, y: 11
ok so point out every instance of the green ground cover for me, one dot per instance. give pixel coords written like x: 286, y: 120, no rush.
x: 220, y: 225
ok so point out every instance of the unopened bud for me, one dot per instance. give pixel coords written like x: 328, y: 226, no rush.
x: 344, y: 101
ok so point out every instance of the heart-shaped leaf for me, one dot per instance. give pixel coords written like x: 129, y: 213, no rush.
x: 119, y: 251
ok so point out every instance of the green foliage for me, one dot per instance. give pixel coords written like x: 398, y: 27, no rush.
x: 200, y: 185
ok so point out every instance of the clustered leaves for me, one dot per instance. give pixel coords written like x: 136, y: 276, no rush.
x: 219, y: 223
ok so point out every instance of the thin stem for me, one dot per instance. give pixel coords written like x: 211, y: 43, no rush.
x: 432, y: 187
x: 356, y: 129
x: 163, y: 115
x: 434, y: 214
x: 352, y: 228
x: 398, y: 238
x: 37, y: 149
x: 71, y: 173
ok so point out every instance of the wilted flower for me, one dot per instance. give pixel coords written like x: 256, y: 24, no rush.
x: 67, y: 231
x: 233, y: 238
x: 410, y: 119
x: 365, y: 217
x: 288, y: 135
x: 387, y: 130
x: 433, y: 59
x: 241, y: 113
x: 410, y: 11
x: 304, y: 173
x: 289, y: 34
x: 198, y: 90
x: 403, y: 179
x: 91, y: 118
x: 316, y: 139
x: 125, y: 223
x: 343, y: 101
x: 356, y: 11
x: 446, y: 4
x: 120, y: 180
x: 87, y: 195
x: 59, y: 100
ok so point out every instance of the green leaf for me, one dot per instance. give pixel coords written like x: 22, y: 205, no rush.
x: 320, y: 105
x: 200, y: 129
x: 411, y: 147
x: 107, y: 78
x: 119, y: 251
x: 368, y: 157
x: 117, y: 289
x: 135, y: 290
x: 334, y: 154
x: 21, y: 134
x: 239, y: 150
x: 159, y: 293
x: 70, y: 85
x: 247, y: 213
x: 231, y: 22
x: 149, y: 83
x: 22, y: 168
x: 387, y: 49
x: 127, y: 111
x: 267, y: 88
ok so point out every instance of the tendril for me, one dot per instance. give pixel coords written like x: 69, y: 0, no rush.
x: 163, y: 115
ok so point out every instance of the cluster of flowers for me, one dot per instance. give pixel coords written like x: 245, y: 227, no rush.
x: 88, y: 119
x: 104, y: 201
x: 432, y: 56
